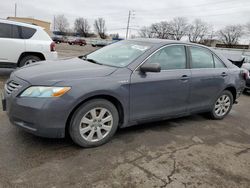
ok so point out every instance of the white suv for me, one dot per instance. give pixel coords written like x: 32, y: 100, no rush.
x: 22, y: 44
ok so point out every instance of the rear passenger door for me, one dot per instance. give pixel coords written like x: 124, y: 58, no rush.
x: 11, y: 44
x: 207, y: 80
x: 220, y: 73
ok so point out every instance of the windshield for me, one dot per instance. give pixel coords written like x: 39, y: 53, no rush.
x: 119, y: 54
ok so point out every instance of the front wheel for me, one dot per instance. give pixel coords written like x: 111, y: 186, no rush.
x: 222, y: 106
x: 94, y: 123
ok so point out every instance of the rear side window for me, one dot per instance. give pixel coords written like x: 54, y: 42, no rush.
x: 170, y: 57
x: 201, y: 58
x: 15, y: 32
x: 27, y: 33
x: 5, y: 30
x: 218, y: 63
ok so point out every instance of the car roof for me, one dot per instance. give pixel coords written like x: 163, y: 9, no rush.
x: 155, y: 41
x: 19, y: 23
x: 162, y: 42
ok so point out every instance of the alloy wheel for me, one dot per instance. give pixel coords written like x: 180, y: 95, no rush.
x: 96, y: 124
x: 222, y: 105
x: 30, y: 61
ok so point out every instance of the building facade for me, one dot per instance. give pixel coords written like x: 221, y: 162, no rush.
x: 41, y: 23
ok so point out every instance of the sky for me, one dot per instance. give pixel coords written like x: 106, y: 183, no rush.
x: 145, y: 12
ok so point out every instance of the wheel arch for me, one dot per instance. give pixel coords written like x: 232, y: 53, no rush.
x: 109, y: 98
x: 233, y: 90
x: 38, y: 54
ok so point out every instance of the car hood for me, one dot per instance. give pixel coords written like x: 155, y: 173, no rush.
x: 62, y: 70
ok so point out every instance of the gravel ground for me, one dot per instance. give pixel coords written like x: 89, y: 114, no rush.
x: 185, y: 152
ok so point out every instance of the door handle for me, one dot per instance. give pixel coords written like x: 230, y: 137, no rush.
x: 223, y: 74
x: 184, y: 77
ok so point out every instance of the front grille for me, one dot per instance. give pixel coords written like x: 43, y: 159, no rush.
x: 11, y: 87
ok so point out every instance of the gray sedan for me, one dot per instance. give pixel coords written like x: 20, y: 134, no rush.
x: 126, y: 83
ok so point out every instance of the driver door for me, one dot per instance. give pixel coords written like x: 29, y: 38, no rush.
x: 166, y: 93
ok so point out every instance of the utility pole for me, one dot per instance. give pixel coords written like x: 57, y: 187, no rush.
x: 15, y: 9
x: 129, y: 15
x: 54, y: 23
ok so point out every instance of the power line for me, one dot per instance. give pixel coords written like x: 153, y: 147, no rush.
x: 15, y: 9
x: 218, y: 10
x: 218, y: 13
x: 196, y: 5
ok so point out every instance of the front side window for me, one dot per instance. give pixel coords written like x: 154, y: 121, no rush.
x: 201, y: 58
x: 5, y: 30
x: 119, y: 54
x: 170, y: 57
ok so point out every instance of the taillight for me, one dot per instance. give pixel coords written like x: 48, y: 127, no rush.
x: 53, y: 47
x: 245, y: 74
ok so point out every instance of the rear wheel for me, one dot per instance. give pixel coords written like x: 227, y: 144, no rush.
x: 222, y: 105
x: 246, y: 91
x: 28, y: 60
x: 94, y: 123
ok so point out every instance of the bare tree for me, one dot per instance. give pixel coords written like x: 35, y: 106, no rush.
x: 146, y: 32
x: 61, y: 23
x: 197, y: 30
x: 82, y: 27
x: 231, y: 34
x: 162, y: 30
x: 115, y: 36
x: 247, y: 27
x: 179, y: 27
x: 100, y: 27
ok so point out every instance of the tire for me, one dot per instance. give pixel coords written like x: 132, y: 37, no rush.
x: 90, y: 126
x: 26, y: 60
x: 222, y: 106
x: 246, y: 91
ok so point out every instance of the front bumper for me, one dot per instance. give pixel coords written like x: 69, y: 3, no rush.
x: 32, y: 115
x: 46, y: 117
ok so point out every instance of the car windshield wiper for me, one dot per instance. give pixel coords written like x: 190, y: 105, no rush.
x: 96, y: 62
x: 91, y: 60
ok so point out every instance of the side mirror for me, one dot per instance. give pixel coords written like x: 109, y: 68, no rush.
x: 150, y: 67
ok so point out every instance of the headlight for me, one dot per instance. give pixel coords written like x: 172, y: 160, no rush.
x: 42, y: 91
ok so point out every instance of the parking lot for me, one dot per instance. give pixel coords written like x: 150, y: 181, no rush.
x: 186, y: 152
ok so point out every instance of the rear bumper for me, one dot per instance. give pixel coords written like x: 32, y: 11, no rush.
x: 51, y: 56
